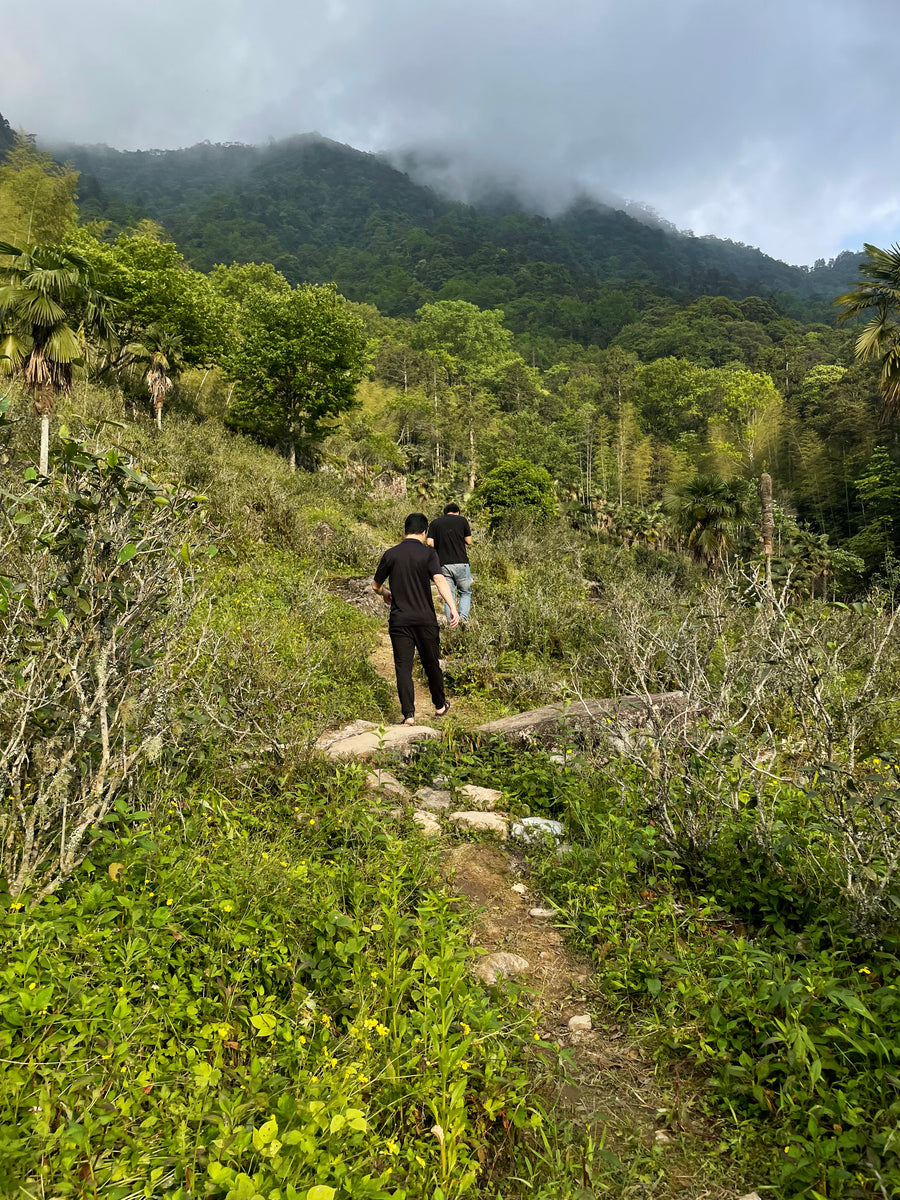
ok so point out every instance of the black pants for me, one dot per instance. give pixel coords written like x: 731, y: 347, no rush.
x: 406, y: 640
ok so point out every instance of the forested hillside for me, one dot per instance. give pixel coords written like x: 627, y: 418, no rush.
x: 321, y: 211
x: 236, y: 965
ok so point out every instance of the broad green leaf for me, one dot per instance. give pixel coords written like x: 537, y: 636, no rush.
x: 126, y: 554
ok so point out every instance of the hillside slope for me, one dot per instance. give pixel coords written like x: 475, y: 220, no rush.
x: 319, y: 211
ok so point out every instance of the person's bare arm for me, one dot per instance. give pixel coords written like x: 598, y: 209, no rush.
x: 440, y: 582
x: 382, y: 591
x: 469, y: 540
x: 429, y: 542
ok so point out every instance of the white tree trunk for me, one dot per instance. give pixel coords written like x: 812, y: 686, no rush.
x: 159, y: 416
x: 45, y: 445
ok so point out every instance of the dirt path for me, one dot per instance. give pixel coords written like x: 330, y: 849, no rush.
x: 595, y: 1076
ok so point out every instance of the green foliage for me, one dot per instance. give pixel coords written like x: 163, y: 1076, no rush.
x: 97, y: 568
x: 153, y: 288
x: 517, y: 488
x: 709, y: 513
x: 297, y: 360
x: 37, y: 195
x: 880, y: 337
x: 248, y: 998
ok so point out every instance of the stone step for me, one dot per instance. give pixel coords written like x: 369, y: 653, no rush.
x: 362, y: 739
x: 542, y: 724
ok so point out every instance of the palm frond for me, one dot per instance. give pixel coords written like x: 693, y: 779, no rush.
x: 39, y: 309
x: 12, y: 353
x: 64, y: 345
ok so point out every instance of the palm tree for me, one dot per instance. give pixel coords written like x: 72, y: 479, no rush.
x: 707, y: 514
x: 38, y: 338
x: 880, y: 337
x: 162, y: 352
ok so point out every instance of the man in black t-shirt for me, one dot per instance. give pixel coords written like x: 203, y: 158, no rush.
x: 450, y: 535
x: 412, y: 567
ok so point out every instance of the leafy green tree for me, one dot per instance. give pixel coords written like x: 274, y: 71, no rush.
x: 42, y: 286
x: 155, y: 289
x: 879, y: 338
x: 37, y: 197
x: 296, y: 363
x: 517, y: 486
x: 708, y: 514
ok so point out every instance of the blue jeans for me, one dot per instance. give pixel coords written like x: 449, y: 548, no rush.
x: 459, y: 576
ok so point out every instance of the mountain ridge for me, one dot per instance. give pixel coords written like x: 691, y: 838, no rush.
x: 321, y: 210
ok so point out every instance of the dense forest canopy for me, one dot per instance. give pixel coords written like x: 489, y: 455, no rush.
x: 622, y: 357
x: 321, y: 211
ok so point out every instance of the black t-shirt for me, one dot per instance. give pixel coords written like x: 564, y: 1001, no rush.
x: 410, y: 565
x: 449, y: 534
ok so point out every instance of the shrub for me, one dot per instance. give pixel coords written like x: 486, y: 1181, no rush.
x: 97, y: 584
x: 518, y: 487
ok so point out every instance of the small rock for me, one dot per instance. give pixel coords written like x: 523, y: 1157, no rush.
x: 482, y: 822
x: 542, y: 914
x: 501, y: 962
x: 480, y: 797
x: 562, y: 850
x: 581, y: 1023
x: 429, y: 824
x: 520, y: 889
x: 433, y: 799
x: 385, y: 783
x: 440, y: 781
x: 750, y: 1196
x: 661, y: 1137
x: 534, y: 830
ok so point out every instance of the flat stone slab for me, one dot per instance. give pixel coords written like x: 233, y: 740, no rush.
x: 544, y: 723
x: 362, y: 739
x: 434, y: 799
x: 483, y: 798
x: 482, y: 822
x: 542, y: 914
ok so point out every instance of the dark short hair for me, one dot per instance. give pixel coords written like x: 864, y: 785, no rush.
x: 415, y: 523
x: 452, y: 507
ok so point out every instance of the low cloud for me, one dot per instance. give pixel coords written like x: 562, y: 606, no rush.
x: 769, y: 123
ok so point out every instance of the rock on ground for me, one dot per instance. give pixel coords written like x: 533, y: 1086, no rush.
x: 363, y: 739
x: 482, y: 822
x: 483, y: 798
x: 386, y: 784
x: 501, y: 962
x: 542, y: 914
x: 581, y: 1023
x: 429, y: 825
x: 435, y: 799
x: 534, y: 830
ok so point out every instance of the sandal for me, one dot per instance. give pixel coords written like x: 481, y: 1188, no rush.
x: 442, y: 712
x: 408, y: 721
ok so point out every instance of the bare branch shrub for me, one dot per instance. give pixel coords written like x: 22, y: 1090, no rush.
x: 96, y: 585
x: 792, y: 705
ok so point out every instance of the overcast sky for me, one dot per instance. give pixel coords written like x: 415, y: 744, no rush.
x: 772, y: 122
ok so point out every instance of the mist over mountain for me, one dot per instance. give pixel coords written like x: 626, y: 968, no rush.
x: 320, y: 210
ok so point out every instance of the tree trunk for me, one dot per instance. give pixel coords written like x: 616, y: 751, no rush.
x: 159, y: 415
x: 292, y: 455
x: 44, y: 465
x: 471, y: 459
x: 767, y: 527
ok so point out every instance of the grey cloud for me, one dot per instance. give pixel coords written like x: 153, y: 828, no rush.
x: 768, y: 122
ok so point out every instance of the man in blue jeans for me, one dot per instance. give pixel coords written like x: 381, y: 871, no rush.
x: 450, y: 535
